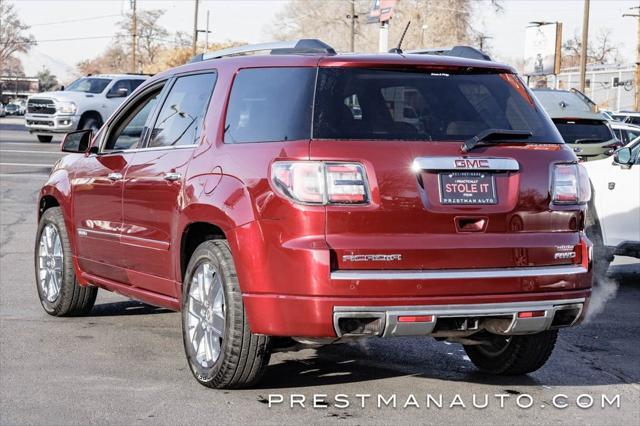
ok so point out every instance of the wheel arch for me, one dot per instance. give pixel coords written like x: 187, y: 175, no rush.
x: 194, y: 234
x: 90, y: 114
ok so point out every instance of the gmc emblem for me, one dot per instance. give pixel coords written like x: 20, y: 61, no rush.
x: 464, y: 163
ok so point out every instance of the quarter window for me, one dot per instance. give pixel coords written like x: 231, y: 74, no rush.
x: 270, y: 104
x: 128, y: 131
x: 180, y: 119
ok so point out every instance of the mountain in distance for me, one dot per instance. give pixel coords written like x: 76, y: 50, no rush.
x: 34, y: 61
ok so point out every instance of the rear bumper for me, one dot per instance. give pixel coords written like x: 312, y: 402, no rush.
x: 514, y: 318
x: 302, y: 316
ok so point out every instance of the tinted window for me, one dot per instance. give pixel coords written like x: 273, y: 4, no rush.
x: 584, y: 131
x: 632, y: 134
x: 634, y: 120
x: 128, y: 131
x: 134, y: 84
x: 89, y: 85
x: 423, y: 105
x: 180, y: 119
x: 270, y: 104
x: 129, y: 85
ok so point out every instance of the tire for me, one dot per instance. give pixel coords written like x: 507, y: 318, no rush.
x: 45, y: 138
x: 90, y: 123
x: 513, y: 355
x: 238, y: 357
x: 58, y: 290
x: 602, y: 256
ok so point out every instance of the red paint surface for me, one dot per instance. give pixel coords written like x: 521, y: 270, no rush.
x: 284, y: 252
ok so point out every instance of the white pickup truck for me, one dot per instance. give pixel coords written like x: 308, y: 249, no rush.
x: 613, y: 219
x: 85, y: 104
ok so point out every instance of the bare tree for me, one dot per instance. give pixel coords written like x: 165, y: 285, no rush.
x: 151, y: 37
x: 434, y: 23
x: 13, y: 37
x: 599, y: 51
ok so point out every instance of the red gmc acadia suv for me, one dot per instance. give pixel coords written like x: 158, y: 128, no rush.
x: 320, y: 197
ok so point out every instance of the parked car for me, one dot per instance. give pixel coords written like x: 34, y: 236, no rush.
x: 85, y: 104
x: 627, y: 117
x: 614, y: 211
x: 12, y: 109
x: 586, y: 132
x: 2, y: 113
x: 244, y: 192
x: 625, y: 132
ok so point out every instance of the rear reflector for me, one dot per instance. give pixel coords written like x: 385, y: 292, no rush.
x: 531, y: 314
x: 415, y: 318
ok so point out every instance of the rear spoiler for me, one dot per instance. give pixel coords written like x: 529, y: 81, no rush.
x: 467, y: 52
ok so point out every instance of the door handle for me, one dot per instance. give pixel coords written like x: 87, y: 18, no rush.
x: 172, y: 176
x: 611, y: 185
x: 114, y: 176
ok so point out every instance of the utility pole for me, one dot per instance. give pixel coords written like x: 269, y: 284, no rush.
x: 134, y: 34
x: 583, y: 49
x: 481, y: 39
x: 206, y: 34
x: 637, y: 77
x: 353, y: 18
x: 194, y: 47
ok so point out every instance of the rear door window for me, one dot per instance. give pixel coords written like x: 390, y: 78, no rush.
x: 355, y: 103
x: 180, y: 120
x: 584, y: 131
x: 269, y: 105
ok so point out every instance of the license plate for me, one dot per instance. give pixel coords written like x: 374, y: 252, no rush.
x: 467, y: 188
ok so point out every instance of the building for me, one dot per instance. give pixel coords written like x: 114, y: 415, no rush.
x: 12, y: 87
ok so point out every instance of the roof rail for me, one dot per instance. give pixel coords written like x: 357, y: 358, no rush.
x: 458, y: 51
x: 294, y: 47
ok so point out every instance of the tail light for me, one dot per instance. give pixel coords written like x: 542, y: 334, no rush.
x: 315, y: 182
x: 570, y: 184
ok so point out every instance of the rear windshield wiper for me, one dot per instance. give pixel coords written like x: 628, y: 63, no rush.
x: 494, y: 135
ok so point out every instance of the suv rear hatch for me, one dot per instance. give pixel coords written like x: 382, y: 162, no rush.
x: 430, y: 205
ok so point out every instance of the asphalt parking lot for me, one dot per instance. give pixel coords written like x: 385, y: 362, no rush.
x: 124, y: 362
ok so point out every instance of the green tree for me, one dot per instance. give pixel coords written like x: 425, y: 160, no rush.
x: 46, y: 80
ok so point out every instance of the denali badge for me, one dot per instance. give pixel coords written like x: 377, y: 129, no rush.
x: 371, y: 257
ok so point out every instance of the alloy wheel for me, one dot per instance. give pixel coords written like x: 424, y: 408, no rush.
x: 50, y: 262
x: 206, y: 314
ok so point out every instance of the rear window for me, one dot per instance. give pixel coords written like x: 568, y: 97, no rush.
x: 354, y: 103
x: 583, y: 131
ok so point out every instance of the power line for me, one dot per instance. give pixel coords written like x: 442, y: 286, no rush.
x: 65, y: 39
x: 92, y: 18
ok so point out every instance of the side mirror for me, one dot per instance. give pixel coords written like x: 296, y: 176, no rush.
x: 78, y: 141
x: 122, y: 92
x: 623, y: 157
